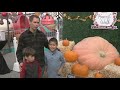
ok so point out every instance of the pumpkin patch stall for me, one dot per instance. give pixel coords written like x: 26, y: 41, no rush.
x: 97, y: 53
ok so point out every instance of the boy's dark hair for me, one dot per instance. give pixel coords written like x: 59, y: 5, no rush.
x: 28, y: 51
x: 33, y: 16
x: 53, y: 40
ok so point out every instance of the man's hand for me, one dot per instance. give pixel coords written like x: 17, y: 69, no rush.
x: 21, y: 64
x: 45, y: 74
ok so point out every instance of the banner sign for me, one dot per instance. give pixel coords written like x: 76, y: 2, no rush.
x: 104, y: 20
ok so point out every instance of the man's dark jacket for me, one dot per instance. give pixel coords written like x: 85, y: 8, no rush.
x: 36, y: 41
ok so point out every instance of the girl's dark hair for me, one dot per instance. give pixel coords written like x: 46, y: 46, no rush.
x: 33, y: 16
x: 28, y: 51
x: 53, y: 40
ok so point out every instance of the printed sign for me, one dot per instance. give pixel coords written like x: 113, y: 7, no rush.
x: 104, y: 20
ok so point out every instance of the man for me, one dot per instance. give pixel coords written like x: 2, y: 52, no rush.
x: 35, y: 39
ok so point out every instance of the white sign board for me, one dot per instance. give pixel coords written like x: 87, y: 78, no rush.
x: 104, y: 20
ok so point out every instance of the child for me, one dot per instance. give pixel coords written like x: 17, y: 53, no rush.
x: 31, y: 68
x: 54, y: 59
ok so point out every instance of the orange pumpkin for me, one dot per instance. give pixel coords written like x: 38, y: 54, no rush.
x: 70, y: 56
x: 65, y: 42
x: 98, y: 75
x: 117, y: 61
x: 80, y: 70
x: 95, y: 52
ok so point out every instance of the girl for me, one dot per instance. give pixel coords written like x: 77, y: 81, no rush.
x: 54, y: 59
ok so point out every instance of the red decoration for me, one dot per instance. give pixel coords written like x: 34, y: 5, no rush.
x: 4, y: 14
x: 47, y: 19
x: 20, y: 13
x: 21, y: 24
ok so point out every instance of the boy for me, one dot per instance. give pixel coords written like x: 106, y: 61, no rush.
x: 54, y: 59
x: 31, y: 68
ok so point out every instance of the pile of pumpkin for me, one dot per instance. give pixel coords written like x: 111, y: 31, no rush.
x: 90, y: 55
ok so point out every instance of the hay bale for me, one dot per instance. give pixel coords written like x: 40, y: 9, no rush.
x: 110, y: 71
x: 65, y: 70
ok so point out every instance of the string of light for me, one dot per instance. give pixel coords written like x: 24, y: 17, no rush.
x: 91, y: 17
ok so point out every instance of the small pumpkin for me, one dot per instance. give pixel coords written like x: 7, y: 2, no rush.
x: 98, y: 75
x: 80, y: 70
x: 65, y: 42
x: 117, y: 61
x: 70, y: 56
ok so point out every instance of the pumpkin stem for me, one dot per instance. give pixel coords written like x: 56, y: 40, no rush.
x: 102, y: 54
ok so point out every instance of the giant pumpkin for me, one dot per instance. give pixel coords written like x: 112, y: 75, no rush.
x: 95, y: 52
